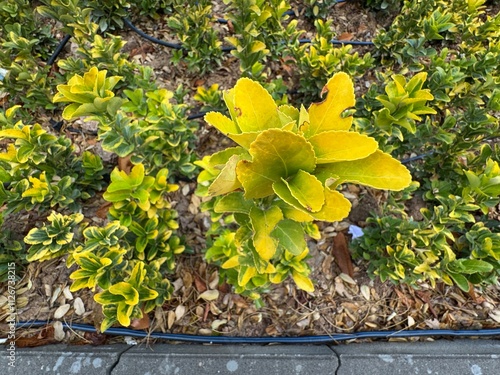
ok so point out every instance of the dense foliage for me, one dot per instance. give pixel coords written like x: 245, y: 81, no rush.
x: 433, y: 103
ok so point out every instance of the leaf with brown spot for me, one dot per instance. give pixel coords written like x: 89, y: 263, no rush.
x: 341, y: 253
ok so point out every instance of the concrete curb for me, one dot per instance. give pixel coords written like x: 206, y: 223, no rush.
x: 476, y: 357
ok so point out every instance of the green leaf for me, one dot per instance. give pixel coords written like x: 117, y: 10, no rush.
x: 335, y: 146
x: 460, y: 280
x: 263, y: 223
x: 233, y: 202
x: 290, y: 236
x: 106, y: 298
x: 471, y: 266
x: 379, y: 170
x: 275, y: 154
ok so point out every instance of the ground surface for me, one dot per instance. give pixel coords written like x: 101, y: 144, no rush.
x: 341, y: 302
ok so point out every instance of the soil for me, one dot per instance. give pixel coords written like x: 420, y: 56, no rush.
x: 341, y: 302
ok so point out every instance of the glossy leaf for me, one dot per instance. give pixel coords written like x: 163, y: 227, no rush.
x: 263, y: 223
x: 275, y: 154
x: 307, y: 190
x: 336, y: 146
x: 254, y: 107
x: 290, y: 236
x: 379, y: 170
x: 326, y: 115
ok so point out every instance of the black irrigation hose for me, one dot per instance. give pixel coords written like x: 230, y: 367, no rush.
x: 227, y: 48
x: 58, y: 49
x: 319, y: 339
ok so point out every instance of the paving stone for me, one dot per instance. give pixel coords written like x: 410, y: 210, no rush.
x: 443, y: 357
x: 63, y: 360
x: 228, y: 359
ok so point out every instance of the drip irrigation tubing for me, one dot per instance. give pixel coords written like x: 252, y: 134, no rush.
x: 179, y: 46
x: 319, y: 339
x: 229, y: 48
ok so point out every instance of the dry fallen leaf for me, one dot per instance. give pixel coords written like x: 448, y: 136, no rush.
x: 209, y: 295
x: 347, y: 278
x: 61, y: 311
x: 345, y: 36
x: 58, y: 331
x: 79, y: 306
x: 141, y: 323
x: 341, y: 253
x: 170, y: 319
x: 365, y: 291
x: 179, y: 312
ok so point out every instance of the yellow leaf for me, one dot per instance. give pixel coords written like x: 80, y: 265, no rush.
x: 335, y: 146
x: 246, y: 275
x: 336, y: 207
x: 326, y: 115
x: 226, y: 181
x: 232, y: 262
x: 379, y: 170
x: 254, y: 107
x: 303, y: 282
x: 222, y: 123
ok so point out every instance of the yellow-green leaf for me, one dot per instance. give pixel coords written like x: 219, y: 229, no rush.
x: 275, y: 154
x: 335, y: 146
x: 126, y: 290
x: 123, y: 312
x: 245, y: 275
x: 263, y: 223
x: 222, y: 123
x: 307, y: 189
x: 255, y: 108
x: 233, y: 202
x: 379, y: 170
x: 290, y: 212
x: 244, y: 139
x: 326, y: 115
x: 227, y: 180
